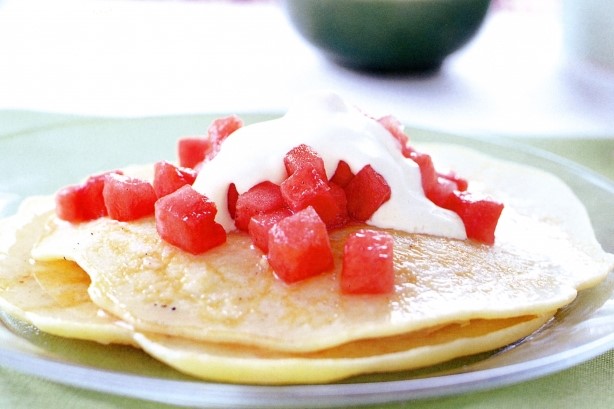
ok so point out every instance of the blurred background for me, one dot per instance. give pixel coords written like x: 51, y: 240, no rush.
x: 529, y: 70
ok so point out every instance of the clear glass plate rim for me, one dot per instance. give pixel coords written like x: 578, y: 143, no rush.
x: 208, y: 395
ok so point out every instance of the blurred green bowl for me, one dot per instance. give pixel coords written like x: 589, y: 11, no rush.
x: 387, y: 35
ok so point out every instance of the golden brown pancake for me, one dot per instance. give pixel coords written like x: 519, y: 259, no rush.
x: 238, y: 363
x: 51, y: 295
x: 542, y: 255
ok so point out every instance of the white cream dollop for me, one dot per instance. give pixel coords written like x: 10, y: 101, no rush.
x: 336, y: 131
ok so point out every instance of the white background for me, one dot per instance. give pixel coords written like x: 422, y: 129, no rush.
x: 144, y: 57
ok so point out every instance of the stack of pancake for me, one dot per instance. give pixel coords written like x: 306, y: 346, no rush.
x: 225, y: 316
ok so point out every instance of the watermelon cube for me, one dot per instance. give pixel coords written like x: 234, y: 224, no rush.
x: 461, y: 184
x: 366, y: 192
x: 396, y: 129
x: 261, y: 198
x: 260, y: 224
x: 83, y: 202
x: 304, y: 156
x: 192, y: 150
x: 168, y: 177
x: 343, y: 174
x: 479, y: 214
x: 428, y: 173
x: 341, y: 217
x: 232, y: 196
x: 368, y: 263
x: 306, y: 187
x: 128, y: 198
x: 186, y: 219
x: 441, y: 192
x: 299, y: 247
x: 219, y: 130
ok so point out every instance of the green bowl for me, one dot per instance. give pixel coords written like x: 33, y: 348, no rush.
x: 387, y: 35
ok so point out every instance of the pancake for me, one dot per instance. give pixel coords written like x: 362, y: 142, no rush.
x: 53, y: 297
x: 542, y: 256
x: 546, y: 208
x: 241, y: 364
x: 224, y: 315
x: 50, y: 295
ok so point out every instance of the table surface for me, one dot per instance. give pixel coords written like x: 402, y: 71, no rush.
x: 141, y: 58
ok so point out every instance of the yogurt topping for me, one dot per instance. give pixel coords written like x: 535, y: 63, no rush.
x: 336, y: 131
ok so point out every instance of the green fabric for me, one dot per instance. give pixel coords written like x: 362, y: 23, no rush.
x: 587, y: 385
x: 596, y: 154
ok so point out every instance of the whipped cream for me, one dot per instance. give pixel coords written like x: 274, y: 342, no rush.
x: 336, y: 131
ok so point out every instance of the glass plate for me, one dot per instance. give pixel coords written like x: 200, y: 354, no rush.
x: 39, y: 161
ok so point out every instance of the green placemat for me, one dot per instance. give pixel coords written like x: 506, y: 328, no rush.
x: 586, y: 385
x: 596, y: 154
x: 14, y: 122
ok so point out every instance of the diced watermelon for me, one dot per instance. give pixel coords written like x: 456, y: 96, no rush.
x: 260, y: 224
x: 219, y: 130
x: 231, y: 197
x: 437, y: 186
x: 368, y: 263
x: 128, y: 198
x: 341, y: 217
x: 192, y: 150
x: 461, y: 184
x: 84, y: 202
x: 69, y: 205
x: 168, y: 177
x: 366, y: 192
x: 261, y: 198
x: 299, y: 247
x: 441, y: 192
x: 428, y: 173
x: 304, y: 156
x: 479, y: 214
x: 343, y: 174
x: 305, y: 187
x: 186, y: 219
x: 396, y: 129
